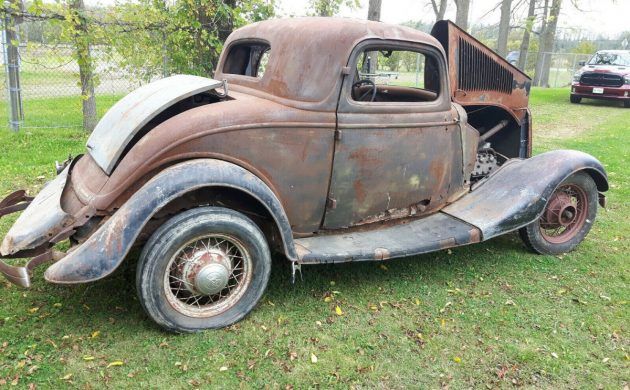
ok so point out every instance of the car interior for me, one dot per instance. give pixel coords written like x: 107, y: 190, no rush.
x: 391, y: 75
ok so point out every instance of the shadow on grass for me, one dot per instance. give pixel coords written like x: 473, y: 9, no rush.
x: 114, y: 299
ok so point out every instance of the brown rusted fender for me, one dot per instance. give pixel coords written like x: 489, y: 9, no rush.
x: 103, y: 252
x: 516, y: 194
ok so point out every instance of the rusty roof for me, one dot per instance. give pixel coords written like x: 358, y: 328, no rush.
x: 307, y: 55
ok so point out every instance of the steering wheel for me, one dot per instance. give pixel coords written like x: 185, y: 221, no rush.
x: 372, y: 90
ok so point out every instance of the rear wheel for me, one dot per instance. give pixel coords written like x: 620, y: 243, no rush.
x: 567, y: 218
x: 204, y: 268
x: 575, y: 99
x: 626, y: 103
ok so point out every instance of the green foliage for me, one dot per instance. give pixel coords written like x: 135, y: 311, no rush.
x: 153, y: 37
x: 331, y: 7
x: 585, y: 47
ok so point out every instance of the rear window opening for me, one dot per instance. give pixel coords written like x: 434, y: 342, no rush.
x: 247, y: 59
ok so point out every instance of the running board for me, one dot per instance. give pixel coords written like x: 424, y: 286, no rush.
x: 432, y: 233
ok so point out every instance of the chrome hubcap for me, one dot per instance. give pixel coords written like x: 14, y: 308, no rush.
x: 207, y: 275
x: 212, y: 279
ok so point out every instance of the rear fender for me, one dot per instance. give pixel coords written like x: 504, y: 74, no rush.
x: 105, y: 250
x: 516, y: 194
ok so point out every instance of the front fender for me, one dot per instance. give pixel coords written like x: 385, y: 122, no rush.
x: 105, y: 250
x: 517, y: 193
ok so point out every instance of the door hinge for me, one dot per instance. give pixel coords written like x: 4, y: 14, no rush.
x: 337, y: 135
x: 331, y: 203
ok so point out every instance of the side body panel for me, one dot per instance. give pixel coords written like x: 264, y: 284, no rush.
x: 384, y: 166
x: 289, y: 149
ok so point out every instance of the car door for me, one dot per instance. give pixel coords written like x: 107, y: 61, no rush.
x: 399, y: 155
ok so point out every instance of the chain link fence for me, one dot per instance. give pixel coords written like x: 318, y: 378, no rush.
x: 41, y: 80
x: 562, y: 66
x: 50, y: 93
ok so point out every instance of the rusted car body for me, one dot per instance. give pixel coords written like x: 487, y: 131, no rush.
x: 326, y: 176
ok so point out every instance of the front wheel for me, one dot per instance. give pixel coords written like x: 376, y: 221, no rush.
x: 205, y: 268
x: 567, y: 218
x: 626, y: 103
x: 575, y: 99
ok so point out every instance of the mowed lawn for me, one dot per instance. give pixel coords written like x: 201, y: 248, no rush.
x: 490, y: 315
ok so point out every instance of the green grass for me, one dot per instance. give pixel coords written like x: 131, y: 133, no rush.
x: 490, y: 315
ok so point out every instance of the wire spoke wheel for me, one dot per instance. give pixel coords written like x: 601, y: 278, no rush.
x: 567, y: 218
x: 565, y: 214
x: 207, y: 275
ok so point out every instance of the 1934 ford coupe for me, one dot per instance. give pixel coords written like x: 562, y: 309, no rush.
x: 326, y: 140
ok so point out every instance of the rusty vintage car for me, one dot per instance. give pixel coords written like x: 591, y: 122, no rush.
x: 304, y: 144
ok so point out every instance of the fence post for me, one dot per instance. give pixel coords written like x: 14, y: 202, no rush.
x: 165, y: 72
x: 12, y: 67
x: 555, y: 80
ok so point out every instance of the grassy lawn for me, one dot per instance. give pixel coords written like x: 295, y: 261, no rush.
x: 489, y: 315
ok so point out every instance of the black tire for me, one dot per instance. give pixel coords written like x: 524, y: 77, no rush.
x: 533, y: 236
x: 170, y: 242
x: 575, y: 99
x: 626, y: 103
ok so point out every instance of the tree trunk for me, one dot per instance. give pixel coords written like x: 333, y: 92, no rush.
x: 461, y: 16
x: 529, y: 23
x: 549, y: 39
x: 374, y: 13
x: 374, y: 10
x: 86, y: 66
x: 439, y: 9
x: 504, y: 27
x: 540, y: 59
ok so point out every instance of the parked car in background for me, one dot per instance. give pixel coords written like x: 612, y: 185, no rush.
x: 513, y: 57
x: 606, y: 76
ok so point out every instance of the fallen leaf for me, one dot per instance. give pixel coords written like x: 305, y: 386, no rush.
x: 66, y: 377
x: 457, y: 359
x: 223, y: 368
x: 33, y: 309
x: 115, y: 363
x: 510, y: 302
x: 313, y: 358
x: 88, y: 358
x: 57, y: 304
x: 328, y: 298
x: 338, y: 311
x: 604, y: 297
x: 95, y: 334
x: 554, y: 355
x: 605, y: 360
x: 383, y: 267
x: 417, y: 302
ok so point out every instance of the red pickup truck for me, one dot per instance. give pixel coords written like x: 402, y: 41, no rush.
x: 606, y: 76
